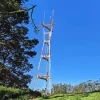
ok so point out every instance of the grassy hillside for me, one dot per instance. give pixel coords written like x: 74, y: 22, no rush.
x: 27, y: 94
x: 91, y: 96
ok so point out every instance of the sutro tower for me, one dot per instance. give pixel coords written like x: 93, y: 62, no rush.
x: 45, y: 54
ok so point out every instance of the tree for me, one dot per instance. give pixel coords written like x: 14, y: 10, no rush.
x: 59, y: 88
x: 15, y: 45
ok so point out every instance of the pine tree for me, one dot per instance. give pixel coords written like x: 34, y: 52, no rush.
x: 15, y: 45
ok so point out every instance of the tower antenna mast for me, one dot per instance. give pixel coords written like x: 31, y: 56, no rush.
x: 45, y: 54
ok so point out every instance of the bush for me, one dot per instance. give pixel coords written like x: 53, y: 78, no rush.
x: 10, y: 92
x: 17, y: 93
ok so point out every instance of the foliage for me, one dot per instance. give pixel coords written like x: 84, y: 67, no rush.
x: 17, y: 94
x: 85, y: 87
x: 59, y: 88
x: 15, y: 46
x: 4, y: 91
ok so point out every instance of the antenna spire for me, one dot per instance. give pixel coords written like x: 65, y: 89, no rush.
x: 46, y: 55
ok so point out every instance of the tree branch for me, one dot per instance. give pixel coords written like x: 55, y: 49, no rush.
x: 18, y: 10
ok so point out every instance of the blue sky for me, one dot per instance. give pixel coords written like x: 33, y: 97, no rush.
x: 75, y: 43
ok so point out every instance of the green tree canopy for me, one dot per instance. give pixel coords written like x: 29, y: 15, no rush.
x: 15, y: 45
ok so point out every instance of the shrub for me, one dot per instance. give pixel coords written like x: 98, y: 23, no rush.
x: 17, y: 93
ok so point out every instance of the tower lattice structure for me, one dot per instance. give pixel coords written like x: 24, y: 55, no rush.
x: 45, y: 54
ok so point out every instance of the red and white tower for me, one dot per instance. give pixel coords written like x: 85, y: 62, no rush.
x: 45, y: 54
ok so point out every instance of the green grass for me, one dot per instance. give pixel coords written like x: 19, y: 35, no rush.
x: 91, y: 96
